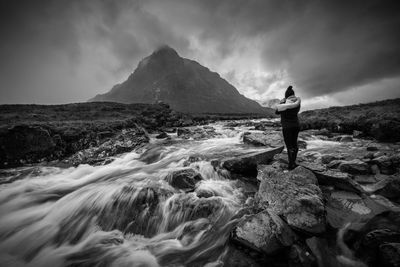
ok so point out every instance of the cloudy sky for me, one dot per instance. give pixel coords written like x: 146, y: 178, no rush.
x: 333, y: 52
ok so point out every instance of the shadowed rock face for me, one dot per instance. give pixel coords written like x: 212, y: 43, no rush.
x: 184, y: 84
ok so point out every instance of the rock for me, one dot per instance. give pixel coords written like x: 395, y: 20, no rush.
x: 346, y: 139
x: 357, y: 134
x: 372, y: 148
x: 247, y: 164
x: 339, y: 180
x: 388, y: 164
x: 270, y: 139
x: 184, y: 179
x: 368, y: 237
x: 334, y: 164
x: 26, y: 143
x: 196, y: 133
x: 315, y: 167
x: 389, y: 254
x: 264, y: 232
x: 162, y: 135
x: 130, y: 202
x: 354, y: 166
x: 389, y: 188
x: 328, y: 158
x: 301, y: 256
x: 302, y: 144
x: 294, y: 196
x: 343, y: 207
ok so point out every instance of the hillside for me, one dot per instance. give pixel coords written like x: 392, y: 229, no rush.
x: 380, y: 119
x: 184, y: 84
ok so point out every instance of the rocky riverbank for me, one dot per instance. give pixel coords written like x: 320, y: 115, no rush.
x: 379, y: 120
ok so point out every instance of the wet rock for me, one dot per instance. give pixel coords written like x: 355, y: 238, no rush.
x: 334, y: 164
x: 367, y: 238
x: 328, y: 158
x: 389, y: 254
x: 339, y: 180
x: 270, y: 139
x: 389, y: 188
x: 265, y: 232
x: 162, y: 135
x: 126, y: 141
x: 344, y: 206
x: 388, y: 164
x: 302, y: 144
x: 184, y: 179
x: 247, y: 164
x: 357, y: 134
x: 300, y: 256
x: 372, y: 148
x: 196, y: 133
x: 186, y: 207
x: 294, y: 196
x: 346, y: 139
x: 354, y: 166
x: 315, y: 167
x: 134, y: 204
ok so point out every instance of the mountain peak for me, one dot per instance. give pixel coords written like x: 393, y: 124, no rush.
x: 165, y: 50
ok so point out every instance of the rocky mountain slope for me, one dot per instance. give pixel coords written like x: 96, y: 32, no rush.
x: 184, y: 84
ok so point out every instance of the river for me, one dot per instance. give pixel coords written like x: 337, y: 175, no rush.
x: 125, y: 213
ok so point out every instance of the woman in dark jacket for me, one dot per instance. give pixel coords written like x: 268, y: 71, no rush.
x: 288, y: 109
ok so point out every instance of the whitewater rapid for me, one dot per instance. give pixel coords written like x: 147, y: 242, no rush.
x: 125, y: 213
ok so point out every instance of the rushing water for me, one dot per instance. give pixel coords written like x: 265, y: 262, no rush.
x: 124, y: 213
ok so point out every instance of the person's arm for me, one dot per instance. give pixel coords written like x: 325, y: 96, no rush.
x: 282, y: 107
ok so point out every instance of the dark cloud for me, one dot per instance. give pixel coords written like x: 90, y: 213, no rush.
x: 64, y: 51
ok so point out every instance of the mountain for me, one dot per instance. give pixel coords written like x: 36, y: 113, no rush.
x: 184, y: 84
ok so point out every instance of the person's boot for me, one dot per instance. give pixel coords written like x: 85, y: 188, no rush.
x: 296, y: 150
x: 291, y: 159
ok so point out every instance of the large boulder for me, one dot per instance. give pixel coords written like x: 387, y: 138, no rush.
x: 265, y: 232
x: 354, y: 166
x: 295, y: 196
x: 247, y: 164
x: 184, y: 179
x: 270, y: 139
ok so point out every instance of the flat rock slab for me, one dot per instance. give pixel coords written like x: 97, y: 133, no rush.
x: 295, y: 196
x: 247, y: 164
x: 339, y: 180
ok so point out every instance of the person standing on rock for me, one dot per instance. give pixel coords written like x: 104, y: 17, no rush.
x: 288, y: 108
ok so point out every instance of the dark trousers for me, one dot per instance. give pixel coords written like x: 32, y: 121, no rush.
x: 290, y: 136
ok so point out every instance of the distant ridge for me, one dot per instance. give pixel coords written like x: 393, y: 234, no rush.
x: 182, y: 83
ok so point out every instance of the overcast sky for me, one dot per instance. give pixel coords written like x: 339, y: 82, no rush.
x: 333, y: 52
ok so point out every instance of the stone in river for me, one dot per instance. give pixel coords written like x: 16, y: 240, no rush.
x: 185, y: 179
x: 162, y: 135
x: 339, y: 180
x: 354, y: 166
x: 247, y: 164
x: 265, y: 232
x: 346, y: 139
x: 389, y: 188
x: 388, y: 164
x: 295, y: 196
x: 270, y: 139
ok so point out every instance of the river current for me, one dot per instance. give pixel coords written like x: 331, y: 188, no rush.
x: 125, y: 213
